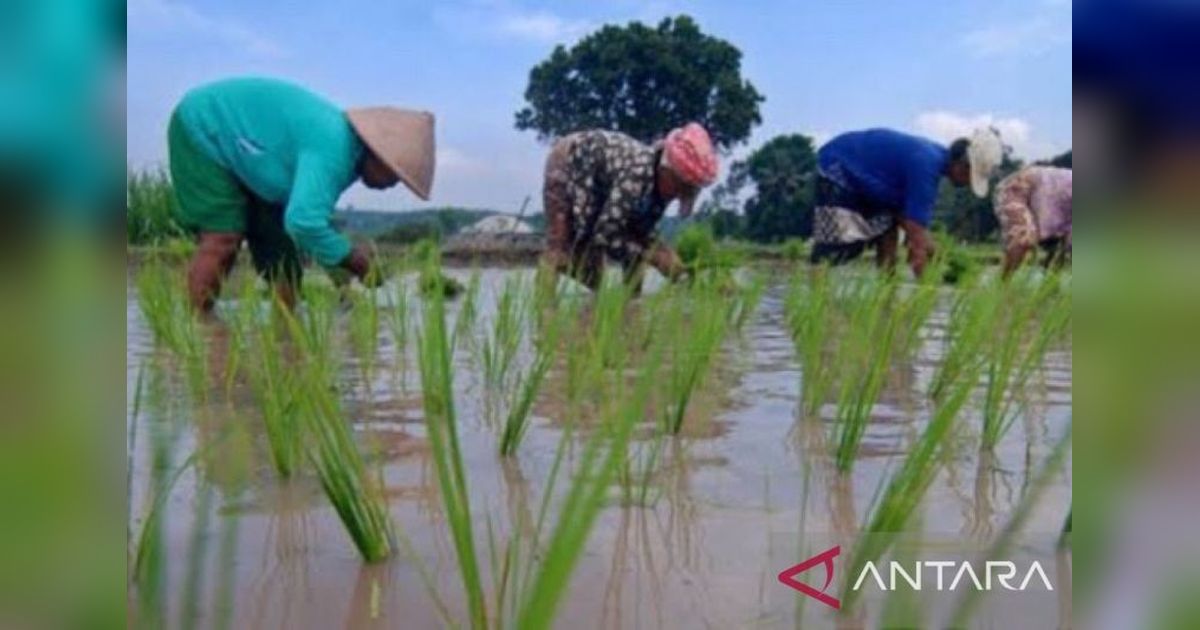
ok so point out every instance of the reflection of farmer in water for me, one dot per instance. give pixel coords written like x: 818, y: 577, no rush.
x: 605, y: 192
x: 1034, y: 208
x: 873, y: 183
x: 266, y: 161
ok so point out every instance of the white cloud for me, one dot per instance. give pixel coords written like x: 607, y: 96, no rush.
x: 945, y: 126
x: 159, y: 16
x: 542, y: 27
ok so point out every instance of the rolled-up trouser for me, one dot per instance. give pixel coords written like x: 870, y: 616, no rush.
x: 844, y: 223
x: 210, y: 199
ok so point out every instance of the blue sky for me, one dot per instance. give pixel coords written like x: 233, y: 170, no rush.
x: 825, y: 66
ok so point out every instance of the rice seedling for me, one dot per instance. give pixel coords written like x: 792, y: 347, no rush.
x: 970, y: 323
x: 434, y: 357
x: 469, y: 311
x: 398, y: 322
x: 527, y: 384
x: 364, y: 332
x: 330, y: 446
x: 1016, y: 353
x: 499, y: 349
x: 808, y: 309
x: 893, y: 510
x: 697, y: 336
x: 748, y: 299
x: 865, y: 352
x: 599, y: 463
x: 275, y: 390
x: 174, y: 324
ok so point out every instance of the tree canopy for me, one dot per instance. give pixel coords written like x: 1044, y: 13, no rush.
x: 782, y: 171
x: 643, y: 81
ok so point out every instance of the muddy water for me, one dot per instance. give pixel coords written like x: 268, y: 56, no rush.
x: 747, y: 493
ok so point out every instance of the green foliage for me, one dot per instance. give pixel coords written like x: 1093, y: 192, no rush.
x: 437, y: 393
x: 696, y: 320
x: 1031, y: 316
x: 794, y: 250
x: 782, y: 171
x: 330, y: 446
x: 150, y: 208
x: 895, y: 508
x: 642, y: 81
x: 695, y: 243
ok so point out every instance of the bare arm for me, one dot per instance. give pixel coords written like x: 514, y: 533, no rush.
x: 919, y: 244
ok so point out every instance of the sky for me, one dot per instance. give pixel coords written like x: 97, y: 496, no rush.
x: 937, y: 69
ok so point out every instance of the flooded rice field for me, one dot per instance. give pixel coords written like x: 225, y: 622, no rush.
x: 747, y: 488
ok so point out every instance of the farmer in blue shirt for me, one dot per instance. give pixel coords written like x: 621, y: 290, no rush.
x: 265, y: 161
x: 871, y: 184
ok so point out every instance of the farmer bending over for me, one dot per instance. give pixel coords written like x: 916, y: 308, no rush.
x: 871, y: 184
x: 266, y: 161
x: 1034, y: 208
x: 605, y: 192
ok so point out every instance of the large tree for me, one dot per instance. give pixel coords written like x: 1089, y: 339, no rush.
x: 782, y: 171
x: 642, y: 81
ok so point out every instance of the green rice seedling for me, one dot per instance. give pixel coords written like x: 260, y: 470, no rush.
x: 158, y: 301
x: 434, y: 357
x: 697, y: 338
x: 808, y: 309
x: 1016, y: 352
x: 746, y: 300
x: 329, y: 445
x: 865, y: 353
x: 275, y: 390
x: 599, y: 463
x: 364, y: 331
x: 499, y: 349
x: 528, y: 383
x: 893, y: 510
x: 398, y: 322
x: 469, y: 311
x: 969, y: 328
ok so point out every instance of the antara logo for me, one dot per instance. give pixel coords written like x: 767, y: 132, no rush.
x: 1002, y: 572
x: 825, y: 558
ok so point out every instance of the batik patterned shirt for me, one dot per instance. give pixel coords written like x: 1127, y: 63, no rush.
x: 611, y: 186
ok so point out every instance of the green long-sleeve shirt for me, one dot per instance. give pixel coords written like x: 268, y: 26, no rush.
x: 287, y: 145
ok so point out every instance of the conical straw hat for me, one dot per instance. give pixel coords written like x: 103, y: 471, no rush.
x: 403, y: 139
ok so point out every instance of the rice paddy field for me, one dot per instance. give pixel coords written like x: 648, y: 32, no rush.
x: 525, y: 454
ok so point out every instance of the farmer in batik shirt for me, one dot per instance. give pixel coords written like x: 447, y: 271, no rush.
x: 605, y: 192
x: 1033, y: 206
x: 872, y: 184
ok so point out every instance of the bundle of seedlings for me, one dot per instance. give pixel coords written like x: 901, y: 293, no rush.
x: 434, y: 357
x: 697, y: 319
x: 329, y: 443
x: 808, y: 312
x: 1032, y: 315
x: 164, y: 304
x: 528, y: 382
x: 865, y: 357
x: 500, y: 346
x: 364, y: 331
x: 893, y: 510
x: 969, y: 327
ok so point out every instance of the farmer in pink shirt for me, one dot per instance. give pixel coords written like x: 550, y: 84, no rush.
x: 1034, y: 208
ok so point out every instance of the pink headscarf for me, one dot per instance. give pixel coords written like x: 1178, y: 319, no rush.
x: 688, y: 151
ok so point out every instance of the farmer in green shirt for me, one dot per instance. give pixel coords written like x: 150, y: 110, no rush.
x: 265, y: 161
